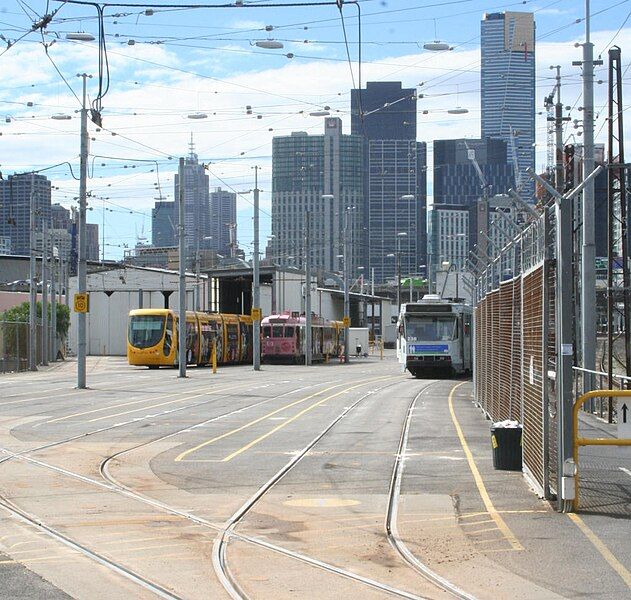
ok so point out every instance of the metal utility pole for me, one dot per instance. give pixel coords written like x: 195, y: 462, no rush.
x: 256, y: 287
x: 182, y: 283
x: 308, y: 323
x: 347, y: 302
x: 32, y: 313
x: 44, y: 289
x: 53, y: 303
x: 197, y: 272
x: 618, y: 250
x: 82, y: 267
x: 559, y: 119
x: 588, y: 254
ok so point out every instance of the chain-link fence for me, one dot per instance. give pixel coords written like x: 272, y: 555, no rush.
x: 15, y: 346
x: 515, y: 350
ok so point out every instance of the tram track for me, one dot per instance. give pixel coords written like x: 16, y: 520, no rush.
x: 227, y: 531
x: 393, y: 503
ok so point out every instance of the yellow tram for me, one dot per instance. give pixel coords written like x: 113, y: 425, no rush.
x: 152, y: 338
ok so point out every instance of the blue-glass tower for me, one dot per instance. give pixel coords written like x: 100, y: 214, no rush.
x: 395, y: 195
x: 508, y: 86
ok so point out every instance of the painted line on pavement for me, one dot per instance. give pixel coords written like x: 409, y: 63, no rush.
x: 490, y: 508
x: 625, y: 471
x: 288, y: 421
x: 613, y: 562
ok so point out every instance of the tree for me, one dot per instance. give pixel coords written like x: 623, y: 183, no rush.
x: 15, y: 336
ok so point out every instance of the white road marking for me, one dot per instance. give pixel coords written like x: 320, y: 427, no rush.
x: 625, y: 471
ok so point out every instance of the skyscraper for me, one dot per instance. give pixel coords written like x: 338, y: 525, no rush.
x: 163, y: 221
x: 15, y: 208
x: 321, y: 174
x: 384, y: 114
x: 508, y: 86
x: 456, y: 180
x: 196, y: 203
x: 223, y: 221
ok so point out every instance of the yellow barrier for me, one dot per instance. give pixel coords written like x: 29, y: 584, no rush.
x: 580, y: 441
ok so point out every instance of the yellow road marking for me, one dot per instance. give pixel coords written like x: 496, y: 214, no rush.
x: 296, y: 416
x: 494, y: 514
x: 614, y: 563
x: 95, y: 410
x: 184, y: 454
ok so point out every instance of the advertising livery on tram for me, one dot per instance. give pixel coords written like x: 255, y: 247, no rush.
x: 152, y: 338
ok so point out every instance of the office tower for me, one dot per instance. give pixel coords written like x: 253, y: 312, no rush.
x: 92, y: 241
x: 508, y: 87
x: 321, y: 174
x: 456, y: 179
x: 457, y: 190
x: 196, y: 204
x: 15, y: 208
x: 163, y: 221
x: 384, y: 114
x: 223, y: 221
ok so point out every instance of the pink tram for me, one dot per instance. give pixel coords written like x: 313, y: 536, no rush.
x: 283, y: 338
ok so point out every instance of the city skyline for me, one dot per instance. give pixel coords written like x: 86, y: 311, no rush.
x: 129, y: 156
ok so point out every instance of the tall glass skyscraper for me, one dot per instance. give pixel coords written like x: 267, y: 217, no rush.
x: 196, y: 203
x: 384, y: 114
x: 322, y: 174
x: 508, y: 86
x: 15, y: 209
x: 223, y: 220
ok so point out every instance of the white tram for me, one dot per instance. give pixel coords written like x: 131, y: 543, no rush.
x: 434, y: 337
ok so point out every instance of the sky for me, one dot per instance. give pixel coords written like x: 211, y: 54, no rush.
x: 158, y: 66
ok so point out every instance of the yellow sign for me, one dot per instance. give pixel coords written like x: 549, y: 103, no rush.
x: 82, y: 303
x: 346, y: 321
x: 256, y: 314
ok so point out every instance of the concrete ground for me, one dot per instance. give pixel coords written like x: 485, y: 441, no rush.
x: 124, y: 490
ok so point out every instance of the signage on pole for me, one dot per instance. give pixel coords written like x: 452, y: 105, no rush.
x: 346, y: 321
x: 82, y: 303
x: 256, y: 314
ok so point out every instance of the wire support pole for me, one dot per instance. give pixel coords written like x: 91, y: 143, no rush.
x: 182, y: 280
x: 308, y: 320
x: 82, y: 266
x: 588, y: 254
x: 256, y: 284
x: 347, y: 302
x: 44, y: 289
x: 32, y: 313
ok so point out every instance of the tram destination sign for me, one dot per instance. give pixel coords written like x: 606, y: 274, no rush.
x: 429, y: 348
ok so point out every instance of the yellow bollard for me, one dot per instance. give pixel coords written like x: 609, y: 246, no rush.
x: 214, y: 357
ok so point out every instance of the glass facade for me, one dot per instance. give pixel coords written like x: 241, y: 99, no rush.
x: 508, y: 86
x: 304, y: 169
x: 384, y: 114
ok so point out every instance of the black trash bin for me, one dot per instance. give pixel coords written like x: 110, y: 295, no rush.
x: 506, y: 444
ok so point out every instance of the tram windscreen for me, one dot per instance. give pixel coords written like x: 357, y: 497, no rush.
x: 277, y: 331
x: 146, y: 330
x: 431, y: 329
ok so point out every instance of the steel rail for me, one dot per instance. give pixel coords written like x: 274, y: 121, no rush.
x: 168, y: 411
x: 99, y: 558
x: 393, y: 507
x: 219, y: 546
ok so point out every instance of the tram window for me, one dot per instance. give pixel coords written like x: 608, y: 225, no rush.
x: 277, y: 331
x: 145, y: 331
x: 434, y: 329
x: 267, y: 331
x: 289, y: 332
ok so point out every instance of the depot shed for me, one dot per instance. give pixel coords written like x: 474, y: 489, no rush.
x: 114, y: 291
